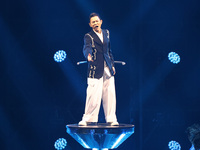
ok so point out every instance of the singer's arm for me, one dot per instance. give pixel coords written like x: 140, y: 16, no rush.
x: 87, y: 48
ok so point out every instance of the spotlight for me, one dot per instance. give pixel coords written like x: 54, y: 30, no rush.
x: 60, y: 56
x: 174, y: 57
x: 60, y: 144
x: 173, y: 145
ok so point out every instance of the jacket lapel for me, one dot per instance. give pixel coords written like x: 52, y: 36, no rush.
x: 96, y: 38
x: 105, y: 36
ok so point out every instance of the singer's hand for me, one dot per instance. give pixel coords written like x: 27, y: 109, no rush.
x: 89, y: 57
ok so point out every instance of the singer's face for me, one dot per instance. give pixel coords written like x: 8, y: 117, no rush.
x: 95, y: 23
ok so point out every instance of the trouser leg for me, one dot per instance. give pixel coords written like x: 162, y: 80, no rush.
x: 109, y: 98
x: 93, y: 100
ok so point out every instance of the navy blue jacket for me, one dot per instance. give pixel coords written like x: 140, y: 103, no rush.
x: 99, y: 52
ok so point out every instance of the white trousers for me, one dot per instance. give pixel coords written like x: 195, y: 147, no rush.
x: 97, y: 90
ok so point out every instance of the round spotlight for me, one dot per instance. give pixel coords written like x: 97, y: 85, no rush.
x: 60, y: 144
x: 173, y: 145
x: 174, y: 57
x: 60, y: 56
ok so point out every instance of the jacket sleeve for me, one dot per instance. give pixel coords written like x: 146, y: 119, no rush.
x: 87, y: 48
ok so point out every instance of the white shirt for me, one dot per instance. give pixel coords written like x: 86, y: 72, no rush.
x: 100, y: 35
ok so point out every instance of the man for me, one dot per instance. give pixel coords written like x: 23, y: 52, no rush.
x: 100, y: 75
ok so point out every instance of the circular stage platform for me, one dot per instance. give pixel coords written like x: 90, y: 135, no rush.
x: 100, y: 135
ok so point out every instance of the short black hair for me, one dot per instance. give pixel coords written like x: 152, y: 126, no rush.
x: 93, y: 15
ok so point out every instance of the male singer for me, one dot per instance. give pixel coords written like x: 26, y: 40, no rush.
x: 100, y: 75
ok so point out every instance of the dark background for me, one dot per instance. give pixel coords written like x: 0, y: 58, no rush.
x: 39, y: 96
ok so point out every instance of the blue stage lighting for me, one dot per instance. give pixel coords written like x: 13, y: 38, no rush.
x: 60, y: 56
x: 192, y: 148
x: 174, y: 57
x: 119, y: 140
x: 60, y: 144
x: 173, y: 145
